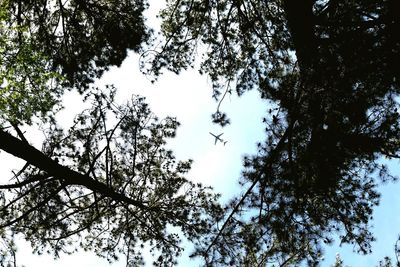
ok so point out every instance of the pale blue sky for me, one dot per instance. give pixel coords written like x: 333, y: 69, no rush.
x: 188, y: 97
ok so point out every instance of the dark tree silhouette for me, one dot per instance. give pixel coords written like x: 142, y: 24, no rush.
x: 330, y: 70
x: 107, y: 183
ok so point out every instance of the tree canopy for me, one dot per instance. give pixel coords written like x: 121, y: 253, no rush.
x: 107, y: 183
x: 330, y: 70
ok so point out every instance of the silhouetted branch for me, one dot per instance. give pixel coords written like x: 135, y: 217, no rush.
x: 30, y: 154
x: 270, y: 160
x: 37, y: 206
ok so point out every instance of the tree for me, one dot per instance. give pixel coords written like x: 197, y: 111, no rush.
x: 108, y: 183
x: 330, y: 70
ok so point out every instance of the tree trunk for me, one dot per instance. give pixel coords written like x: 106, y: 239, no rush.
x: 301, y: 26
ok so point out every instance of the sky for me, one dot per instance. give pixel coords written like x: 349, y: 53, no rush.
x: 188, y: 97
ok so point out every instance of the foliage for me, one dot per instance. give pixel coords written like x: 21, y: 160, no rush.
x: 8, y: 253
x: 28, y: 86
x: 134, y: 188
x: 48, y: 46
x: 80, y: 38
x: 107, y: 184
x: 330, y: 72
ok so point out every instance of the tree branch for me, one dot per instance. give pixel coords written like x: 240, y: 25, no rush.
x: 19, y: 132
x: 22, y: 150
x: 274, y: 153
x: 39, y: 205
x: 23, y: 183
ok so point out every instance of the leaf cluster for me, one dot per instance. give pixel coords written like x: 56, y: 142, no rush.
x: 29, y: 88
x: 80, y: 39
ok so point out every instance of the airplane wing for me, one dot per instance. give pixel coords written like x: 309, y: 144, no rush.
x: 217, y: 137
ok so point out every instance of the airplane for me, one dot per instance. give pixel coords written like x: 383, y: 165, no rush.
x: 218, y: 138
